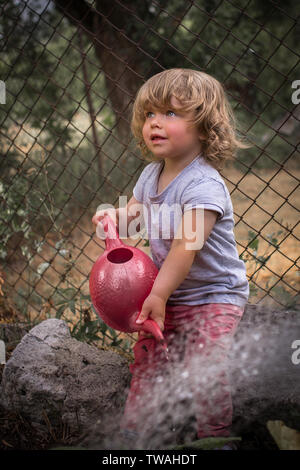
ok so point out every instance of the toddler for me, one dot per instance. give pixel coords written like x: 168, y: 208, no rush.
x: 183, y: 123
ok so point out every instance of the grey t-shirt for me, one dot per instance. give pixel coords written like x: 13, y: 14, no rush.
x: 217, y: 275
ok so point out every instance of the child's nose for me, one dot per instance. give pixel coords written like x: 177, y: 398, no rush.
x: 156, y: 121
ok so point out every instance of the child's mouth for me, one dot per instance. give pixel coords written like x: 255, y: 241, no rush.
x: 156, y: 138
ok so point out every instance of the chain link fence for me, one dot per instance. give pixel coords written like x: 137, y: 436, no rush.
x: 69, y: 72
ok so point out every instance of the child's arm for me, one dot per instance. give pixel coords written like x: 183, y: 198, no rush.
x: 177, y: 264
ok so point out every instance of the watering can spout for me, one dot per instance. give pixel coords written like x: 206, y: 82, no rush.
x: 152, y: 327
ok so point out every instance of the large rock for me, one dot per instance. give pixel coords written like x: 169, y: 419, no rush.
x: 51, y: 376
x: 265, y: 377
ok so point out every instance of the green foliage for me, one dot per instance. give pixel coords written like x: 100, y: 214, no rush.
x: 83, y: 327
x: 207, y: 443
x: 253, y: 62
x: 13, y: 214
x: 41, y: 64
x: 288, y: 299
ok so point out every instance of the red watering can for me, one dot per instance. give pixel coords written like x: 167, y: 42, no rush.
x: 120, y: 280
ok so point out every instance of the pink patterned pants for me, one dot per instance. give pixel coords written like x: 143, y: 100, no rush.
x: 199, y: 339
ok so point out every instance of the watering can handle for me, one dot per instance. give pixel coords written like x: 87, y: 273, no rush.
x: 112, y: 239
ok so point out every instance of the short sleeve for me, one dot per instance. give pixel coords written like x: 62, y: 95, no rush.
x: 207, y: 194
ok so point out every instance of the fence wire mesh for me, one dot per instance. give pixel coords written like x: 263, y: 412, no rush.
x: 69, y: 73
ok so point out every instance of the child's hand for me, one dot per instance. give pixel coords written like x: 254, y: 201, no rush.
x: 113, y: 213
x: 154, y: 307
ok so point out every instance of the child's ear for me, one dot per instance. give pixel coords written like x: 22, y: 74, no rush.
x: 202, y: 133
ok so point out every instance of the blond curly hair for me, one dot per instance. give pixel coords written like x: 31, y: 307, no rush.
x: 199, y: 92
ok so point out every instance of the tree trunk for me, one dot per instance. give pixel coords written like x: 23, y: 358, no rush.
x: 119, y: 59
x: 90, y: 104
x: 116, y: 55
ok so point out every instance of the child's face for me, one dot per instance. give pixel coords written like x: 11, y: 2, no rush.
x: 168, y: 134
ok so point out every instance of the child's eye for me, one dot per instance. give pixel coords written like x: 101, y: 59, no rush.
x: 170, y: 113
x: 149, y: 114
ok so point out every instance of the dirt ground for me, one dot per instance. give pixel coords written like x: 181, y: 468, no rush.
x: 268, y: 203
